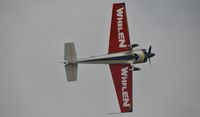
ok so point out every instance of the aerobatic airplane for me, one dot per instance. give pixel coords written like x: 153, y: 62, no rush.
x: 121, y: 58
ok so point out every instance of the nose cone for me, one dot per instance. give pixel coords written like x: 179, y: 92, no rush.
x: 151, y: 55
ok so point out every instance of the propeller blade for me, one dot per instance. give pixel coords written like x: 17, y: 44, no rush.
x: 150, y: 62
x: 150, y: 55
x: 149, y: 49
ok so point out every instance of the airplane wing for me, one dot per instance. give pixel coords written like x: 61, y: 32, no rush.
x: 122, y: 78
x: 119, y: 41
x: 119, y: 35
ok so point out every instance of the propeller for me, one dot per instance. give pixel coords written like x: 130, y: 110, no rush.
x: 149, y: 51
x: 149, y: 55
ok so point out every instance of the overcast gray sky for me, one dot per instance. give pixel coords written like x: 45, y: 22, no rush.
x: 33, y: 82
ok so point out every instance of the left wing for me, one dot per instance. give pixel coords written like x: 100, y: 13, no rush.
x: 119, y: 34
x: 122, y: 78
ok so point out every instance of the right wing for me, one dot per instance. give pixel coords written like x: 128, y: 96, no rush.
x: 122, y: 78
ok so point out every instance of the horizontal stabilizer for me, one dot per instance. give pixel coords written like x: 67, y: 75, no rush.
x: 71, y: 72
x: 70, y: 52
x: 71, y: 66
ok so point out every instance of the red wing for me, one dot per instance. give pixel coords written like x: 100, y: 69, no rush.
x: 122, y: 78
x: 119, y: 35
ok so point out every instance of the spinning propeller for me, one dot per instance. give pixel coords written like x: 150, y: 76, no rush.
x: 149, y: 55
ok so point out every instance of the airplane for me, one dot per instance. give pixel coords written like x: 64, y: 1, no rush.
x: 121, y: 58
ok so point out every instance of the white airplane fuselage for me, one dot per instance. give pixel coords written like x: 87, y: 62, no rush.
x: 127, y: 57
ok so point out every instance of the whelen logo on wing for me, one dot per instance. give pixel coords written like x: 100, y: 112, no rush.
x: 125, y: 97
x: 121, y: 35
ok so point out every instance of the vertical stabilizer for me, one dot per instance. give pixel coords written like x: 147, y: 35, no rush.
x: 71, y: 66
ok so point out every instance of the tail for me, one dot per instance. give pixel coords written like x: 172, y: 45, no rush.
x: 71, y: 66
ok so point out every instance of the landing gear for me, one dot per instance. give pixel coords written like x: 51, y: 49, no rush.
x: 135, y: 68
x: 134, y: 45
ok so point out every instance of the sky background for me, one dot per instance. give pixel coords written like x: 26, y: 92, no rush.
x: 33, y: 82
